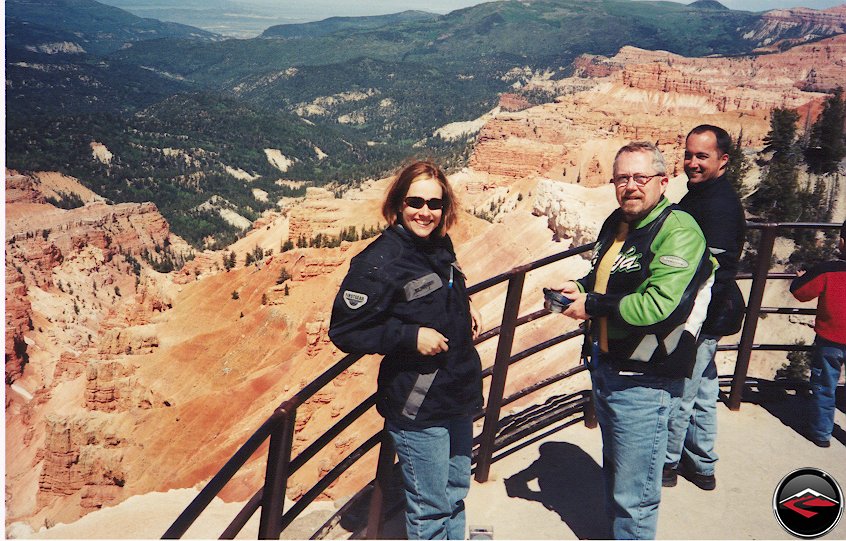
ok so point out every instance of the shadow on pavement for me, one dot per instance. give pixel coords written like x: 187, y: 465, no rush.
x: 791, y: 408
x: 570, y: 483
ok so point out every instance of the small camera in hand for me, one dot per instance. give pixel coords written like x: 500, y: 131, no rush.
x: 554, y: 301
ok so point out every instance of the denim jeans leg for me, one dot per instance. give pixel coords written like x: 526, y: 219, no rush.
x: 603, y: 417
x: 436, y: 478
x: 633, y: 412
x: 693, y: 424
x: 458, y: 485
x: 826, y: 362
x: 702, y: 433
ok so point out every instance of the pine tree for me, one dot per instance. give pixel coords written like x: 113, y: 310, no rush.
x: 782, y: 135
x: 777, y: 197
x: 827, y: 146
x: 284, y: 276
x: 738, y: 166
x: 258, y: 253
x: 797, y: 366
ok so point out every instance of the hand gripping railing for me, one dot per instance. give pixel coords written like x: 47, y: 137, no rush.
x: 279, y: 427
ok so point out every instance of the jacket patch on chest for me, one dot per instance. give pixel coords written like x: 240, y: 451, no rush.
x: 420, y: 287
x: 629, y: 261
x: 354, y: 300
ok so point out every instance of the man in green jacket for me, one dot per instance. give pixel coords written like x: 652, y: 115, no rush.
x: 646, y: 295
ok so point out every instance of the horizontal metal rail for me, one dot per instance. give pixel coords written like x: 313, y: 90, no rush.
x: 324, y: 439
x: 304, y: 456
x: 327, y: 479
x: 546, y: 382
x: 523, y: 269
x: 767, y: 347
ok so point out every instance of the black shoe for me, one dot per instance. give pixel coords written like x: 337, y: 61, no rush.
x: 816, y: 441
x: 669, y: 476
x: 705, y: 482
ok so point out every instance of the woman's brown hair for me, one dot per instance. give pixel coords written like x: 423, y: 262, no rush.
x: 394, y: 199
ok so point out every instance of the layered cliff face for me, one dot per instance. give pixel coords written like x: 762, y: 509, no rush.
x: 78, y: 268
x: 781, y: 28
x: 655, y: 96
x: 78, y: 287
x: 121, y: 376
x: 18, y: 322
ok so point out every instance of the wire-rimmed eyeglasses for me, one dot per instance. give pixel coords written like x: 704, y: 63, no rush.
x: 639, y: 179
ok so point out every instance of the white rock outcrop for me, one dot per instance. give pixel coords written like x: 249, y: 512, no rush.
x: 573, y: 212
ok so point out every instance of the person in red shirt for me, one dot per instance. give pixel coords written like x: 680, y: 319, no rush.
x: 828, y: 282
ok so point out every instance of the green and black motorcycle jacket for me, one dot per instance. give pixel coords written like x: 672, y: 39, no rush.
x: 657, y: 294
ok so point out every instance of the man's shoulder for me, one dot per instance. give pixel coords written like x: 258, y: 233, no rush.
x: 681, y: 219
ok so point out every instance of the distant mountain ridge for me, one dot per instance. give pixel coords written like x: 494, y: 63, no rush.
x: 708, y: 4
x: 337, y: 24
x: 98, y: 28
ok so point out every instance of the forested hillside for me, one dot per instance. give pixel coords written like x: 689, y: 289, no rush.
x: 187, y: 116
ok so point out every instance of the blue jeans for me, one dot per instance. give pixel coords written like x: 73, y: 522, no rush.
x: 693, y: 425
x: 435, y: 465
x: 826, y: 363
x: 633, y: 412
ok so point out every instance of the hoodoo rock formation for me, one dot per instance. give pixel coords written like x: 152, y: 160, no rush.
x: 18, y: 322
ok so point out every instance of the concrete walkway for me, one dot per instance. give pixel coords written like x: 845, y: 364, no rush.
x: 551, y: 488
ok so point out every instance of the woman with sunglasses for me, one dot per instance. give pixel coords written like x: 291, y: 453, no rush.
x: 405, y: 297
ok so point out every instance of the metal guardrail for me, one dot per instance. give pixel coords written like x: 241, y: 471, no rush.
x: 769, y: 232
x: 279, y: 427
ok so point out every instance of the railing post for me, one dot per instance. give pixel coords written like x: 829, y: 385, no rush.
x: 381, y: 485
x: 500, y: 373
x: 276, y: 476
x: 590, y: 410
x: 753, y: 308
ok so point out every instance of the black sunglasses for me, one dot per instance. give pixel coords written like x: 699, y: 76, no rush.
x: 436, y: 203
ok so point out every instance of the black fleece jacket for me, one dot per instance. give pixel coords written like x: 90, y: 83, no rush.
x: 715, y: 206
x: 398, y: 284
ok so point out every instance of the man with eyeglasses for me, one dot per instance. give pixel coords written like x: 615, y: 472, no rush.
x: 714, y: 204
x: 646, y: 296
